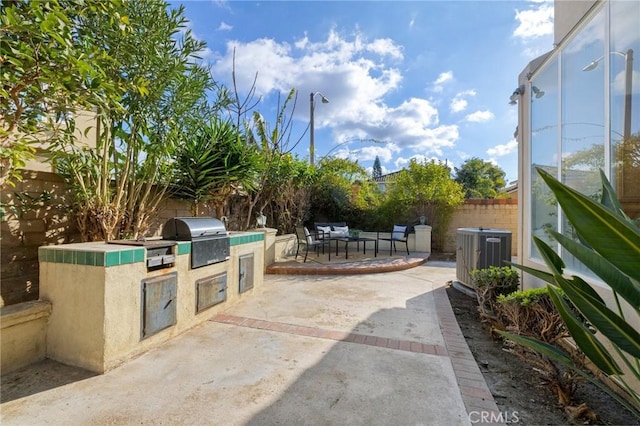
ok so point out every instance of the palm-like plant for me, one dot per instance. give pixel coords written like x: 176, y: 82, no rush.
x: 213, y: 159
x: 610, y: 247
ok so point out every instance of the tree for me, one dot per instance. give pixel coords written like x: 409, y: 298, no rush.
x: 120, y: 182
x: 424, y: 189
x: 377, y: 169
x: 343, y: 191
x: 480, y: 179
x: 48, y: 72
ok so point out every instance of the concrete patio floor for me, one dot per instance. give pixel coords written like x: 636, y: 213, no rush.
x: 373, y: 349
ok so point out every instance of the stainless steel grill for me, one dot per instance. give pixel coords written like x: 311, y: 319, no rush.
x: 160, y: 253
x: 209, y: 238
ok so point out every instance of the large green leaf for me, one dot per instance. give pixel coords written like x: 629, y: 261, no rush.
x: 550, y: 351
x: 604, y: 319
x: 585, y: 340
x: 615, y: 239
x: 619, y: 282
x: 610, y: 199
x: 550, y: 257
x: 545, y: 276
x: 584, y: 286
x: 562, y: 358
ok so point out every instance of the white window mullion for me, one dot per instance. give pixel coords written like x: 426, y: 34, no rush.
x: 607, y: 93
x: 559, y: 145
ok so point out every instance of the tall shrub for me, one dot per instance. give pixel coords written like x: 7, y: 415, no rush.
x: 119, y: 183
x: 343, y: 191
x: 212, y: 163
x: 424, y: 189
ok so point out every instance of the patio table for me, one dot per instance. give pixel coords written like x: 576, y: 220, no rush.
x: 357, y: 240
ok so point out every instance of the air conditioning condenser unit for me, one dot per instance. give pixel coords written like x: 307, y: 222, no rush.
x: 479, y: 248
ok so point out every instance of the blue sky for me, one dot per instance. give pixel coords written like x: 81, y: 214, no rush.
x: 424, y: 79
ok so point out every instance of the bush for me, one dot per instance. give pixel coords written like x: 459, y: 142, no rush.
x: 491, y: 283
x: 531, y: 313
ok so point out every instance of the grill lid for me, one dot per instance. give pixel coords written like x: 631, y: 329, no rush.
x: 192, y: 228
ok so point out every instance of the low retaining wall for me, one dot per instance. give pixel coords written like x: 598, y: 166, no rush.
x: 285, y: 246
x: 24, y: 331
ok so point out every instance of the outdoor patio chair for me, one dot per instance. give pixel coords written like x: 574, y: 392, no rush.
x: 399, y: 234
x: 315, y: 240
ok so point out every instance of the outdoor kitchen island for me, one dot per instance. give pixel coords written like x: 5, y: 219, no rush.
x: 111, y: 302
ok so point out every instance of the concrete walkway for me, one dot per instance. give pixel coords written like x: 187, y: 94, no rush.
x: 377, y: 349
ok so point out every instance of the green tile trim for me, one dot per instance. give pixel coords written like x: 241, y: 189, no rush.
x: 112, y: 258
x: 126, y: 257
x: 91, y: 258
x: 184, y: 247
x: 44, y: 254
x: 138, y: 255
x: 237, y: 240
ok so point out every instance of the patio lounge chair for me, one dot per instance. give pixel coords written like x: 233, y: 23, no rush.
x: 315, y: 240
x: 399, y: 234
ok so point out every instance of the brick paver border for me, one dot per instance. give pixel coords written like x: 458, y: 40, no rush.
x: 476, y: 395
x: 341, y: 336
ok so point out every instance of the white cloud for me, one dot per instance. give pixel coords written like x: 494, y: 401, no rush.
x: 463, y: 155
x: 384, y: 152
x: 479, y: 116
x: 385, y: 46
x: 414, y: 124
x: 505, y: 149
x: 442, y: 78
x: 620, y: 82
x: 459, y: 103
x: 356, y: 75
x: 535, y: 22
x: 354, y: 64
x: 224, y: 27
x: 412, y: 22
x: 356, y: 151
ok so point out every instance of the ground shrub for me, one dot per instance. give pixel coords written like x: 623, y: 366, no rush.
x: 531, y: 313
x: 489, y: 284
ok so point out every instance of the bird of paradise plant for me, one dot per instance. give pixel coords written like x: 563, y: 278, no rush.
x: 609, y: 245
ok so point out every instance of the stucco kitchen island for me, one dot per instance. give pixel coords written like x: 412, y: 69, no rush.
x: 108, y: 305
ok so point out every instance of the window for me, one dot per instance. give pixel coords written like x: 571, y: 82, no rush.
x: 624, y: 94
x: 582, y: 118
x: 544, y: 153
x: 585, y: 118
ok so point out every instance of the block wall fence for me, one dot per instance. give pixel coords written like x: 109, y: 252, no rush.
x: 496, y: 214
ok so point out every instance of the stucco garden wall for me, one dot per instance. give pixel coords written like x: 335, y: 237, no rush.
x: 24, y: 330
x: 34, y: 213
